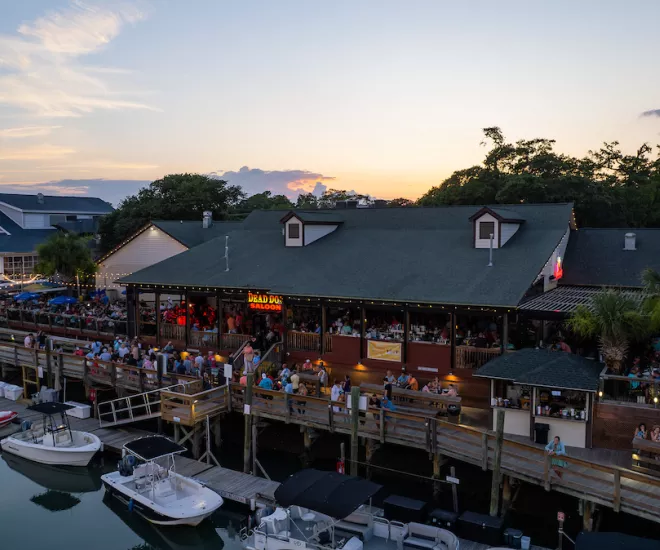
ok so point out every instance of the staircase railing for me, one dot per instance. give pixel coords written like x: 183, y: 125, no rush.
x: 270, y: 359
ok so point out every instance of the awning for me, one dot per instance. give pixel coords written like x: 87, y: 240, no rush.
x: 50, y: 408
x: 566, y: 299
x: 614, y: 541
x: 152, y: 447
x: 328, y: 493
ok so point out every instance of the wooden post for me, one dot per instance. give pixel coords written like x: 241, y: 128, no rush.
x: 220, y: 319
x: 454, y: 490
x: 187, y: 298
x: 363, y: 315
x: 157, y: 303
x: 452, y: 340
x: 484, y: 451
x: 617, y: 490
x: 217, y: 431
x: 307, y: 445
x: 355, y: 419
x: 506, y: 494
x: 406, y: 333
x: 497, y: 462
x: 370, y: 448
x: 324, y: 321
x: 587, y: 520
x: 505, y: 332
x: 285, y: 331
x: 247, y: 415
x: 177, y: 433
x: 437, y: 464
x: 255, y: 470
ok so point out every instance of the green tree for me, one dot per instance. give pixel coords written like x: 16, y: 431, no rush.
x: 174, y: 197
x: 263, y: 201
x: 307, y: 201
x: 615, y: 320
x: 400, y: 202
x: 65, y: 255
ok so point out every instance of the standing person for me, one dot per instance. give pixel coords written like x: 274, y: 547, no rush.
x: 390, y: 377
x: 295, y: 380
x: 248, y: 356
x: 199, y: 364
x: 266, y: 383
x: 187, y: 364
x: 556, y: 448
x: 302, y: 390
x: 41, y: 338
x: 347, y: 384
x: 29, y: 341
x: 640, y: 431
x: 335, y: 394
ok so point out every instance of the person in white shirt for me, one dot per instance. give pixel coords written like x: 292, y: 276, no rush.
x: 335, y: 394
x: 123, y: 350
x: 28, y: 341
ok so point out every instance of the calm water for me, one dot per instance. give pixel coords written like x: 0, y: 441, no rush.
x: 52, y: 508
x: 47, y: 508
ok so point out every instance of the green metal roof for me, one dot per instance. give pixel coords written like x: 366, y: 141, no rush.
x: 423, y: 255
x: 56, y: 203
x: 191, y: 233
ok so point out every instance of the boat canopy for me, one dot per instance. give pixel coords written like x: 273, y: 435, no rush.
x: 328, y: 493
x: 153, y: 447
x: 50, y: 408
x: 613, y: 541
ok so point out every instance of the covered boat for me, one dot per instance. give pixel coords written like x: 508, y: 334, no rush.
x: 53, y: 442
x: 148, y: 484
x: 326, y: 510
x: 6, y: 417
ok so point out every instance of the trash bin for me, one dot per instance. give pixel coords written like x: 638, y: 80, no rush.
x: 525, y: 543
x: 541, y: 433
x: 512, y: 537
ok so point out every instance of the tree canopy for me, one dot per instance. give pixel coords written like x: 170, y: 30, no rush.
x: 65, y: 255
x: 608, y: 187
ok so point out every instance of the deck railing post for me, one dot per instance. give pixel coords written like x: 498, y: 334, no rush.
x: 247, y: 415
x: 484, y: 451
x: 497, y: 462
x: 617, y: 490
x: 546, y: 472
x: 355, y: 421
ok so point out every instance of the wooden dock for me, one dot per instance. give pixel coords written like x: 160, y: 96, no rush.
x: 231, y: 485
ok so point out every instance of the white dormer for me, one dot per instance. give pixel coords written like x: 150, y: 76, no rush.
x: 499, y: 222
x: 303, y: 228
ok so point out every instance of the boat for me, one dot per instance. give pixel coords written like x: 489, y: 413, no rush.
x: 6, y: 417
x: 53, y: 442
x: 147, y: 483
x: 328, y: 511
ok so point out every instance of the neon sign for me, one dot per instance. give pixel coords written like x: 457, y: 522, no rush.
x: 558, y: 270
x: 264, y: 302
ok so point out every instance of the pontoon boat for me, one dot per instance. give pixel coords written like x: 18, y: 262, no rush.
x: 53, y: 442
x: 147, y: 483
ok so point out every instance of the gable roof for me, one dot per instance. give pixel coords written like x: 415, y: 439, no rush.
x: 541, y: 367
x: 191, y: 233
x: 19, y: 239
x: 56, y: 203
x: 393, y: 254
x: 314, y: 217
x: 504, y: 215
x: 595, y: 257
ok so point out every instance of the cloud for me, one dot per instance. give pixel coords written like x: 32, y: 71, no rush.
x: 41, y: 70
x: 27, y: 131
x: 35, y: 152
x: 652, y: 112
x: 279, y: 182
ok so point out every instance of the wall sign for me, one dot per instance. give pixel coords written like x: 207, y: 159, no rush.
x: 558, y: 271
x: 264, y: 302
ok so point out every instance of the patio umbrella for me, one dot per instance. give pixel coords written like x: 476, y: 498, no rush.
x: 61, y: 300
x: 25, y: 296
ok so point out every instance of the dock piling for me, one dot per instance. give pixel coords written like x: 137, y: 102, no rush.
x: 497, y: 462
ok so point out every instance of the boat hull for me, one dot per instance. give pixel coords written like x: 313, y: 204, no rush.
x: 59, y: 456
x: 6, y: 418
x: 157, y: 514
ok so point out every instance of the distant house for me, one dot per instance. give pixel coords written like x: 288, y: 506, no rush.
x: 28, y: 220
x: 155, y: 242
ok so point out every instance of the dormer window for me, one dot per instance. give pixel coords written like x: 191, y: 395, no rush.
x: 294, y: 230
x: 501, y: 223
x: 303, y: 228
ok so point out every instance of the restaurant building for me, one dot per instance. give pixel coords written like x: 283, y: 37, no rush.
x: 364, y: 290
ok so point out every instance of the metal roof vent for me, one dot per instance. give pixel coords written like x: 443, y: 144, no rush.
x: 40, y: 198
x: 630, y: 241
x: 207, y: 219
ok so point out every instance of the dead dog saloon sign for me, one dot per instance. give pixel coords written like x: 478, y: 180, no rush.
x: 264, y: 302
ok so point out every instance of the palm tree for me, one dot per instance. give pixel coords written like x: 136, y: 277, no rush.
x: 616, y: 320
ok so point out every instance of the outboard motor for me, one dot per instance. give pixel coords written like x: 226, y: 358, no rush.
x: 126, y: 466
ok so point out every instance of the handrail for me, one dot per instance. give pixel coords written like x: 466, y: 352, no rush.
x: 265, y: 355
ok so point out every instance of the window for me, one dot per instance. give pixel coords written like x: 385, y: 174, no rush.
x: 71, y: 218
x: 18, y: 265
x: 294, y: 231
x: 486, y: 229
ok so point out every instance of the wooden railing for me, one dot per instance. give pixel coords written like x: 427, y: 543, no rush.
x: 470, y: 357
x: 203, y: 339
x: 302, y: 341
x: 327, y: 342
x: 623, y: 389
x: 69, y: 324
x: 271, y: 360
x: 415, y: 402
x: 233, y: 341
x: 189, y: 409
x: 170, y: 331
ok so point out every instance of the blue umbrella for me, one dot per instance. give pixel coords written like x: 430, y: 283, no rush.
x: 61, y: 300
x: 25, y: 296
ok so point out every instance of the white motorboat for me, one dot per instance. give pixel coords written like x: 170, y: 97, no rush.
x: 53, y: 442
x: 148, y: 484
x: 6, y: 417
x: 312, y: 500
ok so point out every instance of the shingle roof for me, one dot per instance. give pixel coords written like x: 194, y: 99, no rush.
x: 191, y: 233
x: 315, y: 216
x: 56, y: 203
x: 595, y: 257
x: 502, y: 214
x: 20, y: 240
x: 540, y: 367
x: 423, y: 255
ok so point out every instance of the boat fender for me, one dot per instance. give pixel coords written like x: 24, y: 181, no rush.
x: 130, y: 505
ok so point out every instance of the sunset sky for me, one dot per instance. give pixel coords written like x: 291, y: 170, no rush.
x: 382, y: 97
